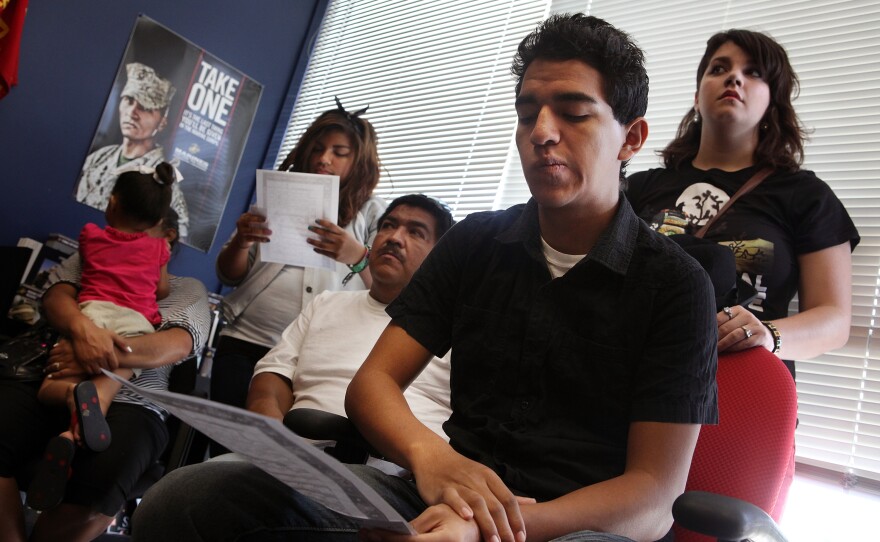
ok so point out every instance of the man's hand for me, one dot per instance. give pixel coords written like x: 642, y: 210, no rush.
x: 438, y: 523
x: 442, y: 475
x: 474, y: 492
x: 62, y: 362
x: 94, y: 348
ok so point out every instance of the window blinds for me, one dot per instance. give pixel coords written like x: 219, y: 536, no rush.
x: 436, y: 75
x: 834, y: 47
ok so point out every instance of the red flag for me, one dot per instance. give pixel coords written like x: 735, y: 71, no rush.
x: 11, y: 24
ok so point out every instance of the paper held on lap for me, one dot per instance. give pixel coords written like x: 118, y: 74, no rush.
x: 269, y: 445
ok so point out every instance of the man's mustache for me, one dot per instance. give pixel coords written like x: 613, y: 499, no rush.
x: 392, y: 249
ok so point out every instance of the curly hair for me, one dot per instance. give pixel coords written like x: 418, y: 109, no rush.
x: 781, y: 136
x: 357, y: 186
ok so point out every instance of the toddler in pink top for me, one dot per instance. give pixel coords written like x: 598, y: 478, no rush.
x: 123, y: 275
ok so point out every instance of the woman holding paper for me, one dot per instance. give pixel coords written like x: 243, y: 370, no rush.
x: 268, y: 296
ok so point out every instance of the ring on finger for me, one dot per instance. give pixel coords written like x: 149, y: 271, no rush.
x: 728, y: 312
x: 747, y: 331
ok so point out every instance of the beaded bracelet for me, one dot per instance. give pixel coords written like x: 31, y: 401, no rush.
x: 777, y: 338
x: 358, y: 267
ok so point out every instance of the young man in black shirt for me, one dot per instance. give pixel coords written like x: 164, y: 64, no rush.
x: 583, y: 344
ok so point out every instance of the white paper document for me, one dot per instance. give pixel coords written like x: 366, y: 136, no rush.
x: 271, y: 446
x: 292, y: 202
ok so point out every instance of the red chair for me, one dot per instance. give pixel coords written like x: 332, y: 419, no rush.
x: 742, y: 467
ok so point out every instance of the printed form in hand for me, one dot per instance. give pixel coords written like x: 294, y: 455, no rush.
x: 269, y: 445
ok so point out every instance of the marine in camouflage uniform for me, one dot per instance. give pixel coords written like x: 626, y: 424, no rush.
x: 146, y: 90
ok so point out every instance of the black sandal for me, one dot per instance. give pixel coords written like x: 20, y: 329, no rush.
x: 50, y: 480
x: 92, y: 426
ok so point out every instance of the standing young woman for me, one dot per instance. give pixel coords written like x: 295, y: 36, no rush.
x: 790, y: 234
x: 268, y: 296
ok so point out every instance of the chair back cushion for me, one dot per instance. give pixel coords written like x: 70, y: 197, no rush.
x: 748, y: 455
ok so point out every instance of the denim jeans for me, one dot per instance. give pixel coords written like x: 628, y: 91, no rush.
x: 235, y: 501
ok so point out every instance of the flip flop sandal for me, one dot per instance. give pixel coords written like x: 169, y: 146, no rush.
x: 92, y: 425
x: 50, y: 480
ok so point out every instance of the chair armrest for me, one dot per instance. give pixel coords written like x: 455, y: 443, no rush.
x: 314, y: 424
x: 187, y: 445
x: 725, y: 518
x: 320, y: 425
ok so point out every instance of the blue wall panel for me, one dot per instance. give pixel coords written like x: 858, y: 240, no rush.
x: 69, y: 55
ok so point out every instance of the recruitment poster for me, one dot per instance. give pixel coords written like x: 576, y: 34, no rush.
x: 173, y: 101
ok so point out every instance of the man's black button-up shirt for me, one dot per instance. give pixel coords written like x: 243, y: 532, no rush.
x: 548, y: 374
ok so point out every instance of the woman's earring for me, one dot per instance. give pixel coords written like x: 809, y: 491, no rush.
x: 696, y: 117
x: 764, y: 126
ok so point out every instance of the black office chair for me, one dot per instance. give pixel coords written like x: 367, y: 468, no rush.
x: 345, y: 442
x: 724, y: 518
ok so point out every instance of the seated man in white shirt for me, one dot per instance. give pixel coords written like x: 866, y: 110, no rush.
x: 322, y: 349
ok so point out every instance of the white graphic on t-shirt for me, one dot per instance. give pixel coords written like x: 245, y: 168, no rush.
x: 757, y: 304
x: 700, y: 202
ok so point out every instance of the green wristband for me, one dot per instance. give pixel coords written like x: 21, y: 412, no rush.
x: 358, y: 267
x: 361, y: 265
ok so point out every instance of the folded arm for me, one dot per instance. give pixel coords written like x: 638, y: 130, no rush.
x: 94, y: 348
x: 442, y: 475
x: 636, y: 504
x: 156, y: 349
x: 270, y: 394
x: 825, y: 300
x: 823, y: 321
x: 186, y: 319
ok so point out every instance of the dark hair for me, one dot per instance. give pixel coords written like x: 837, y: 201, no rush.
x: 171, y: 221
x: 356, y: 188
x: 781, y: 135
x: 609, y: 51
x: 436, y: 208
x: 145, y: 197
x: 606, y: 49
